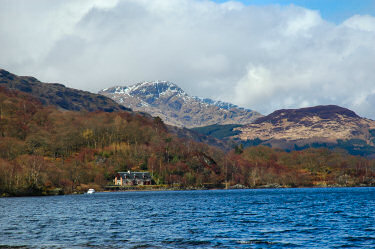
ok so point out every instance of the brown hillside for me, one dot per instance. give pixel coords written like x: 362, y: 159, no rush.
x: 58, y: 95
x: 314, y: 124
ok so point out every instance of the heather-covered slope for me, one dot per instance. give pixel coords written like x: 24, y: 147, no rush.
x: 176, y: 107
x: 314, y: 125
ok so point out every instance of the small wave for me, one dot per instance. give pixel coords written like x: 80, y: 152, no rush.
x: 251, y: 221
x: 259, y: 203
x: 360, y: 239
x: 347, y: 246
x: 264, y: 242
x: 12, y: 247
x: 186, y: 242
x: 279, y: 231
x: 255, y: 241
x: 143, y: 246
x: 307, y: 230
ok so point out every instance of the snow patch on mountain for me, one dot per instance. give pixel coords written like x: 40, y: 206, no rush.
x: 175, y: 106
x: 165, y: 88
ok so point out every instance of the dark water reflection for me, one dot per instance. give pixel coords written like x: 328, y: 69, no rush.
x: 310, y: 218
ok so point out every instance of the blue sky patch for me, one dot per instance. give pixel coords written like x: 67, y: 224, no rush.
x: 335, y: 11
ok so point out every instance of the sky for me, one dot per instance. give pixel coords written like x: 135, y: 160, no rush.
x: 330, y: 10
x: 262, y: 55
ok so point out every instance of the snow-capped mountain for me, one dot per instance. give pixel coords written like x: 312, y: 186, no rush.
x: 172, y: 104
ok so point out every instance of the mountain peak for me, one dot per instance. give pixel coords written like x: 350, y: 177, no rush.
x: 154, y: 88
x: 168, y: 101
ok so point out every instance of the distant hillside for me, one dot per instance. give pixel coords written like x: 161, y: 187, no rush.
x: 208, y: 138
x: 218, y: 131
x: 59, y: 95
x: 175, y: 107
x: 320, y: 126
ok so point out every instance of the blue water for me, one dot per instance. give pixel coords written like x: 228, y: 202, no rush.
x: 272, y: 218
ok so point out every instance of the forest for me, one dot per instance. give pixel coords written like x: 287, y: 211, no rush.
x: 45, y: 150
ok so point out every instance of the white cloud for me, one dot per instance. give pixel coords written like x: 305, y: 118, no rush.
x: 260, y: 57
x: 364, y: 23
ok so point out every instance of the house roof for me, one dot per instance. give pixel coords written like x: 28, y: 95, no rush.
x: 134, y: 175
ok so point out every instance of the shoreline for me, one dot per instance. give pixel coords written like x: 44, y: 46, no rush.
x: 134, y: 189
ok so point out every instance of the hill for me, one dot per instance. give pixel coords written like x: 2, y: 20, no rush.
x: 175, y: 107
x: 328, y: 126
x: 58, y: 95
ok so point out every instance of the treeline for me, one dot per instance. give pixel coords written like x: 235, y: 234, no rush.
x: 264, y: 166
x: 44, y: 150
